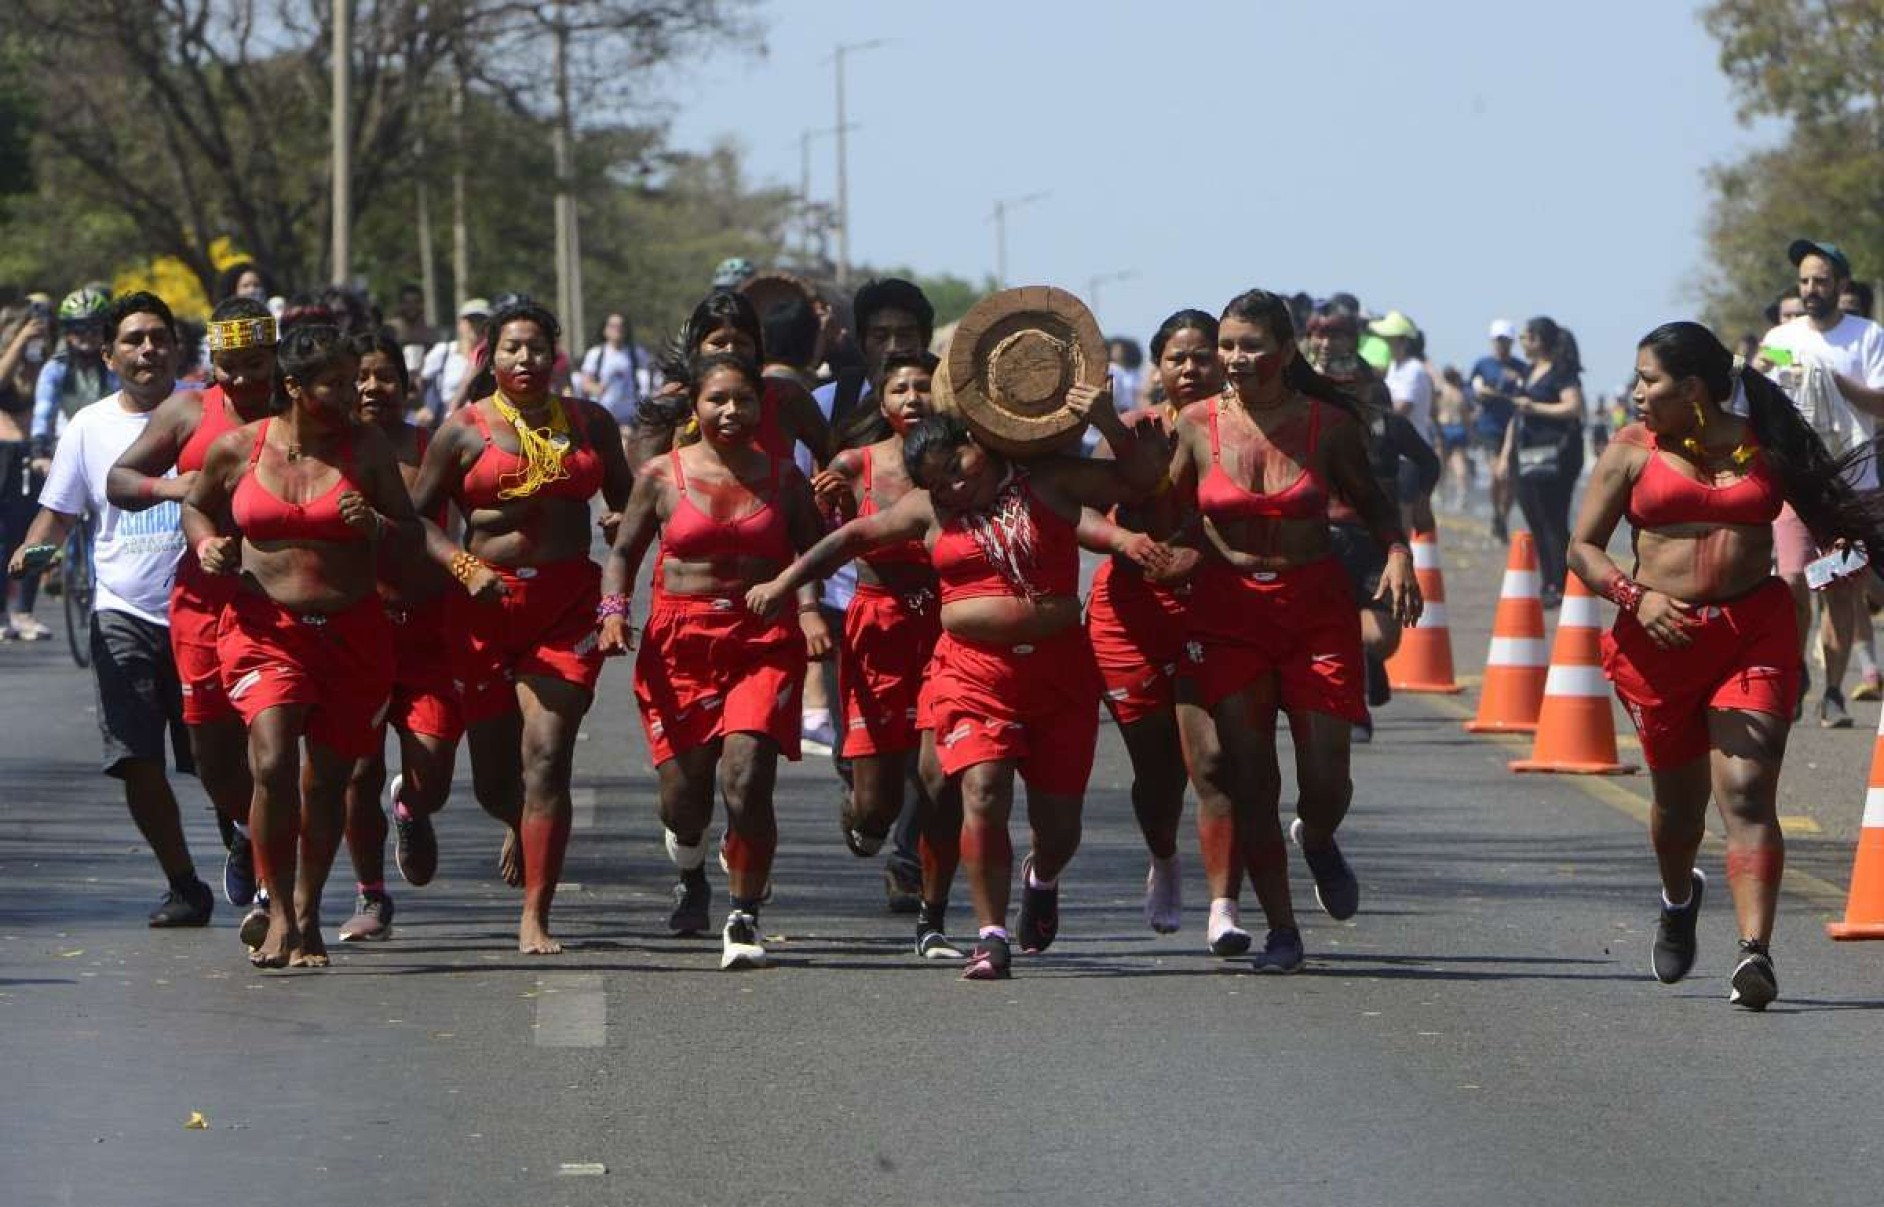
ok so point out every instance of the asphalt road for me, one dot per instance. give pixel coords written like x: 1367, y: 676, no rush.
x: 1485, y: 1031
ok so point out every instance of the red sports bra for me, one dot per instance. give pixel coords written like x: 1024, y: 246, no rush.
x: 1221, y: 498
x: 1019, y: 547
x: 691, y: 535
x: 771, y: 436
x: 582, y: 464
x: 1663, y: 496
x: 903, y: 553
x: 215, y: 422
x: 263, y: 516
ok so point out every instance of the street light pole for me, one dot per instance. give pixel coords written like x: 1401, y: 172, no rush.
x: 804, y: 186
x: 999, y: 218
x: 342, y: 156
x: 1093, y: 284
x: 843, y: 177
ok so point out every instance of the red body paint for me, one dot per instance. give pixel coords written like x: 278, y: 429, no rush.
x: 1217, y: 837
x: 1761, y: 863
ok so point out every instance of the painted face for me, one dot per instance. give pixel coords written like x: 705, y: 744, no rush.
x: 1818, y: 286
x: 727, y: 406
x: 1252, y: 357
x: 1664, y: 404
x: 328, y: 395
x: 143, y: 351
x: 521, y: 359
x: 1189, y: 368
x: 906, y: 398
x: 729, y: 339
x: 246, y: 375
x: 965, y: 478
x: 378, y: 387
x: 890, y: 330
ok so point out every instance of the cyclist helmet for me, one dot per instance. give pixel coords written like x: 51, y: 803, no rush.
x: 733, y: 273
x: 84, y: 307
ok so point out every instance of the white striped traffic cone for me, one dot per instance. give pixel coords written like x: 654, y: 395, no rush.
x: 1423, y: 663
x: 1576, y: 731
x: 1513, y: 690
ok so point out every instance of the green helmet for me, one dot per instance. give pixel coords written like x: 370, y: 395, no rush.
x: 84, y: 306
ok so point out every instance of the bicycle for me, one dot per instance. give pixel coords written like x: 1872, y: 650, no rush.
x: 78, y: 582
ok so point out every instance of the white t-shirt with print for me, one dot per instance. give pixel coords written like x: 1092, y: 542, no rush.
x: 1855, y: 349
x: 135, y: 552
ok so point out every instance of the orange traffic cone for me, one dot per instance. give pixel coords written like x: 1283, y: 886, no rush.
x: 1514, y: 669
x: 1575, y: 730
x: 1423, y: 663
x: 1864, y: 910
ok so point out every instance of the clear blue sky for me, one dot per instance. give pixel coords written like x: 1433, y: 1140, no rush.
x: 1459, y: 161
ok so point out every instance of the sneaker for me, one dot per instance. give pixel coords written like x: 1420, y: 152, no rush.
x: 27, y: 628
x: 1871, y: 687
x: 1832, y: 714
x: 1551, y: 597
x: 765, y: 897
x: 1282, y: 952
x: 1164, y: 896
x: 990, y: 962
x: 862, y: 845
x: 1361, y: 733
x: 1499, y: 531
x: 693, y: 898
x: 372, y: 919
x: 1227, y: 938
x: 1805, y: 685
x: 190, y: 906
x: 742, y: 943
x: 1673, y: 955
x: 238, y: 870
x: 902, y: 887
x: 1379, y: 686
x: 1754, y: 985
x: 818, y: 739
x: 415, y: 843
x: 1336, y: 890
x: 254, y: 928
x: 1039, y: 921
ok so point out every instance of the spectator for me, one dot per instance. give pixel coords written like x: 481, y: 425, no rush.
x: 1544, y: 446
x: 1128, y: 372
x: 409, y: 327
x: 613, y: 372
x: 23, y: 336
x: 1451, y: 414
x: 1855, y: 297
x: 1497, y: 380
x: 449, y: 366
x: 1409, y: 383
x: 244, y: 279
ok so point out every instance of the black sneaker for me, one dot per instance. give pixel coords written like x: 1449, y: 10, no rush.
x: 1039, y: 921
x: 190, y: 906
x: 1675, y: 947
x: 1379, y: 687
x: 415, y: 843
x: 1336, y: 889
x: 991, y: 961
x: 1281, y: 953
x: 932, y: 940
x: 1754, y: 984
x: 238, y: 870
x: 693, y: 899
x: 902, y: 887
x: 372, y: 919
x: 1499, y: 531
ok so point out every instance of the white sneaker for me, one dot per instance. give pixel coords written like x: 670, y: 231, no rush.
x: 818, y: 740
x: 742, y: 943
x: 26, y: 628
x: 1227, y: 938
x: 1164, y: 896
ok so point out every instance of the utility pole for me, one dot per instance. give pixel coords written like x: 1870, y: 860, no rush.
x: 843, y: 178
x: 460, y: 235
x: 428, y: 258
x: 1093, y: 284
x: 999, y: 218
x: 804, y: 187
x: 342, y: 154
x: 559, y: 142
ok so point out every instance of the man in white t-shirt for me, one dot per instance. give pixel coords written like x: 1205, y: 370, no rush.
x: 134, y: 555
x: 1832, y: 365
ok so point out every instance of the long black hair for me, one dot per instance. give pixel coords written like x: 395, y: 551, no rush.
x: 1816, y: 483
x: 382, y: 341
x: 305, y: 351
x: 721, y: 308
x: 943, y: 433
x: 518, y: 307
x: 1183, y: 320
x: 1271, y: 312
x: 1560, y: 347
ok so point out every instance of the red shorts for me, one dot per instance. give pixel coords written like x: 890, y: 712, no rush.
x: 425, y: 694
x: 708, y: 667
x: 196, y: 604
x: 338, y: 664
x: 1137, y: 633
x: 1745, y: 656
x: 888, y: 638
x: 1299, y: 624
x: 543, y: 626
x: 1036, y: 703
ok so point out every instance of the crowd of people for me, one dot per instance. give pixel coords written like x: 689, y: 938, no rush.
x: 345, y: 524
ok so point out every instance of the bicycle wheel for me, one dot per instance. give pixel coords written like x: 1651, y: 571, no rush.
x: 76, y: 575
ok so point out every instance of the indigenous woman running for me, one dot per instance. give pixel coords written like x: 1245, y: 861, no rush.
x: 1271, y: 624
x: 718, y: 685
x: 304, y: 643
x: 242, y: 355
x: 890, y: 631
x: 426, y: 710
x: 523, y: 465
x: 1135, y: 619
x: 1705, y: 651
x: 1012, y: 686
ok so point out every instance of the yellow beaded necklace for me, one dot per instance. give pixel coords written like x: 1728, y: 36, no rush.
x: 541, y: 449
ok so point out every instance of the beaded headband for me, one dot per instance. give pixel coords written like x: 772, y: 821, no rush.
x: 230, y: 335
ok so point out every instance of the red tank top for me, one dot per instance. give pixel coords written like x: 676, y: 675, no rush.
x: 1664, y: 496
x: 771, y: 436
x: 691, y: 535
x: 214, y: 422
x: 487, y: 475
x: 1018, y: 547
x: 262, y: 516
x: 1221, y: 498
x: 903, y: 553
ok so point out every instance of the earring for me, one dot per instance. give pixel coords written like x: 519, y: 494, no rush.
x: 1692, y: 442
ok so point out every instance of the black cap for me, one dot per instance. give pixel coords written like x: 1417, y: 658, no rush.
x: 1801, y: 248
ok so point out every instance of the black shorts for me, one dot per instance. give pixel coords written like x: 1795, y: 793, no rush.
x: 140, y: 699
x: 1361, y: 556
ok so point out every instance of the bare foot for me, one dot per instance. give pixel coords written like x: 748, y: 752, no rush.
x: 533, y: 939
x: 279, y: 947
x: 312, y: 952
x: 510, y: 861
